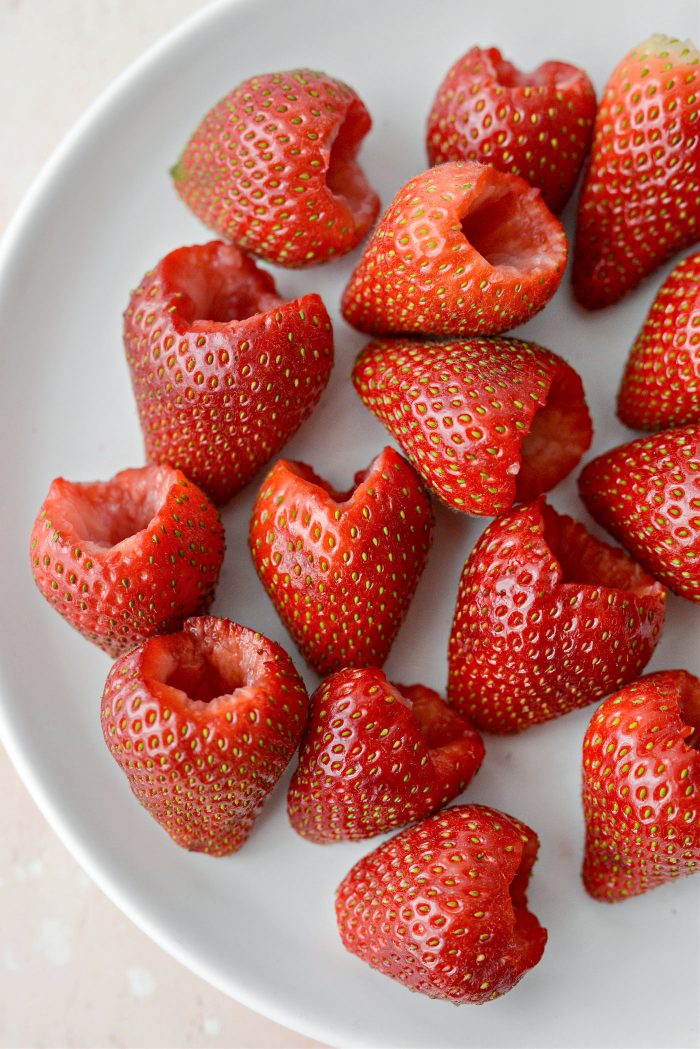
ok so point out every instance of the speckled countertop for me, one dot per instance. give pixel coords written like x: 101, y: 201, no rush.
x: 73, y: 970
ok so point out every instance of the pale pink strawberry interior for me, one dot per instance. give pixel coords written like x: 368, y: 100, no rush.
x: 510, y: 228
x: 560, y: 432
x: 202, y: 669
x: 102, y: 515
x: 344, y: 177
x: 219, y: 286
x: 583, y: 559
x: 689, y: 704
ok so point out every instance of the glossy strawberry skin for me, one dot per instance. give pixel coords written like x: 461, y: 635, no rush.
x: 463, y: 249
x: 641, y: 787
x: 647, y: 495
x: 341, y: 568
x: 442, y: 907
x: 640, y: 200
x: 485, y: 422
x: 537, y: 125
x: 125, y: 559
x: 203, y: 723
x: 376, y: 756
x: 548, y: 619
x: 224, y: 371
x: 273, y: 168
x: 659, y: 388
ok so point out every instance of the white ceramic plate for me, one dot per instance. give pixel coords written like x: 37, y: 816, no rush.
x: 260, y: 925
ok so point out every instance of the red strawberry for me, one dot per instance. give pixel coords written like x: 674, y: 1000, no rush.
x: 641, y: 787
x: 273, y: 167
x: 640, y: 200
x: 442, y: 907
x: 204, y: 723
x: 548, y: 619
x: 341, y: 568
x: 660, y: 387
x: 224, y: 370
x: 376, y: 756
x: 647, y: 494
x: 124, y: 559
x: 486, y: 422
x: 463, y: 248
x: 537, y: 125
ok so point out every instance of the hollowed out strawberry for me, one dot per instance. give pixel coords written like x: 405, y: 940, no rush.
x: 640, y: 200
x: 661, y: 384
x: 486, y: 422
x: 341, y: 567
x: 203, y: 723
x: 224, y: 371
x: 124, y: 559
x: 442, y: 907
x: 462, y: 249
x: 647, y: 494
x: 641, y: 787
x: 548, y: 619
x: 273, y: 167
x: 376, y: 756
x: 537, y: 125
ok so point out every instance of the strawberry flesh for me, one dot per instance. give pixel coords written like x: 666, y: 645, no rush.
x: 462, y: 249
x: 341, y: 567
x: 376, y: 756
x: 442, y: 906
x: 128, y: 558
x: 224, y: 371
x: 548, y: 619
x: 203, y: 723
x: 641, y: 781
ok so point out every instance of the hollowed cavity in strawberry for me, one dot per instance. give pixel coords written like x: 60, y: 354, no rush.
x: 443, y: 730
x: 555, y: 75
x: 583, y: 559
x: 361, y: 478
x: 529, y: 938
x: 559, y: 434
x: 205, y: 663
x: 344, y: 177
x: 689, y: 705
x: 216, y: 285
x: 507, y: 223
x: 102, y: 515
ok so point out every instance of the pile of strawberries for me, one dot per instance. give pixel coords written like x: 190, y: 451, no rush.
x: 204, y: 714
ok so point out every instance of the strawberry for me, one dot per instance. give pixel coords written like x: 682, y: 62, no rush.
x: 537, y: 125
x: 548, y: 619
x: 273, y: 167
x: 462, y: 249
x: 647, y: 494
x: 376, y: 756
x: 442, y: 907
x: 224, y: 371
x: 124, y: 559
x: 640, y: 200
x: 341, y: 567
x: 203, y: 723
x: 641, y: 787
x: 486, y: 422
x: 660, y: 385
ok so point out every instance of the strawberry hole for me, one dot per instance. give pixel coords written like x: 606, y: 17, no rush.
x: 504, y: 228
x: 344, y: 177
x: 689, y: 705
x: 218, y: 285
x: 583, y: 559
x: 528, y: 935
x: 559, y: 434
x: 203, y: 663
x: 104, y: 514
